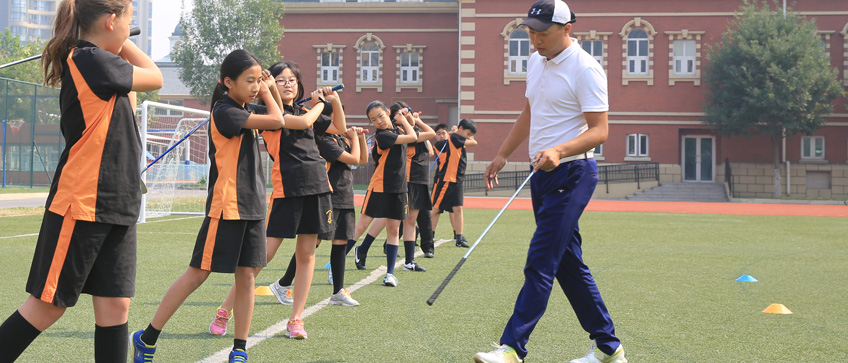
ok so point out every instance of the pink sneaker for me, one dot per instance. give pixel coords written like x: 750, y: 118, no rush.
x: 219, y: 325
x: 294, y: 329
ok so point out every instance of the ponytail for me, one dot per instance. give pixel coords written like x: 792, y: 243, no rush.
x: 217, y: 94
x: 72, y: 19
x: 65, y: 36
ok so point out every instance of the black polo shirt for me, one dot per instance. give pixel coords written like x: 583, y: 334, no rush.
x: 298, y: 168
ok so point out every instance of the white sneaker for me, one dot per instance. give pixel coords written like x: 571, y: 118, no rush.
x: 283, y: 293
x: 595, y: 355
x: 343, y: 298
x: 390, y: 280
x: 504, y: 354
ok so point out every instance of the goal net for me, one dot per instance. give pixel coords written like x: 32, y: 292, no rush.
x: 176, y: 182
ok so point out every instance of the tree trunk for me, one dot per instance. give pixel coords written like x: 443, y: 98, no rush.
x: 775, y: 141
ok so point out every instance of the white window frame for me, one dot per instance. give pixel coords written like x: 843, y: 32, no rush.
x: 517, y: 64
x: 329, y: 70
x: 409, y: 73
x: 368, y: 71
x: 638, y: 61
x: 809, y: 147
x: 684, y: 63
x: 595, y: 46
x: 638, y: 145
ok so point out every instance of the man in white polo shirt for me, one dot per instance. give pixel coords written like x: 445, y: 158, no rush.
x: 565, y: 117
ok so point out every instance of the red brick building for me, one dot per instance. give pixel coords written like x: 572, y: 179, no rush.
x: 463, y: 59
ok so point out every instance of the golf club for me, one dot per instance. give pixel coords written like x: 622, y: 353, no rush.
x: 441, y: 287
x: 133, y: 31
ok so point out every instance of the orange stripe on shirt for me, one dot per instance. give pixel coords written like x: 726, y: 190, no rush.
x: 76, y: 191
x: 272, y: 143
x: 49, y: 291
x: 209, y: 246
x: 454, y: 157
x: 377, y: 178
x: 225, y: 196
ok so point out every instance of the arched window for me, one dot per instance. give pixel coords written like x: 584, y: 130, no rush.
x: 637, y: 52
x: 519, y: 52
x: 369, y: 71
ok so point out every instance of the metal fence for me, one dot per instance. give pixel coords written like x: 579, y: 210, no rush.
x: 31, y: 138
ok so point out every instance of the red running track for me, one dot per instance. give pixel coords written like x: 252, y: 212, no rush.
x: 763, y: 209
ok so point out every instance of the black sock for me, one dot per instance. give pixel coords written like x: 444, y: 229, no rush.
x: 150, y: 335
x: 366, y: 244
x: 458, y: 238
x: 409, y: 251
x: 350, y: 244
x: 111, y: 343
x: 17, y: 334
x: 337, y: 266
x: 240, y: 344
x: 391, y: 258
x: 288, y: 277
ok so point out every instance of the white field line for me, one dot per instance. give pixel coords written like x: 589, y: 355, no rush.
x: 20, y: 235
x: 157, y: 221
x: 223, y: 354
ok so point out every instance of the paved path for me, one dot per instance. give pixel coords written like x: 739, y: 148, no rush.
x: 13, y: 200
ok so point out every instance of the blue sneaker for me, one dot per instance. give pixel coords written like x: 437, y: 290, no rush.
x: 238, y: 356
x: 142, y: 353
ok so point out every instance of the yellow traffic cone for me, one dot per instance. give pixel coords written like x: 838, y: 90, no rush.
x: 777, y: 309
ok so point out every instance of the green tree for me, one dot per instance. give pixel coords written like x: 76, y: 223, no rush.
x: 217, y: 27
x: 11, y: 49
x: 770, y: 76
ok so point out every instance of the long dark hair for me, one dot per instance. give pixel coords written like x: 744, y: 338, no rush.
x: 233, y: 65
x: 396, y: 107
x: 72, y: 18
x: 279, y: 67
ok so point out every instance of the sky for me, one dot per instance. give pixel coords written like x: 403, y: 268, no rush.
x: 166, y: 16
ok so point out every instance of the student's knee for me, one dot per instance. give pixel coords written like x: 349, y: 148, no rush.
x: 195, y: 276
x: 110, y: 311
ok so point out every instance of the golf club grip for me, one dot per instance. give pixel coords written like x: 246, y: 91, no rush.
x: 441, y: 287
x: 336, y: 88
x: 135, y: 31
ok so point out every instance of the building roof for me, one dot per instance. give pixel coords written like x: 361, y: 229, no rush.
x: 172, y: 85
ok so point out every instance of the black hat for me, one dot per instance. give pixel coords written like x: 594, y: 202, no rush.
x: 544, y: 13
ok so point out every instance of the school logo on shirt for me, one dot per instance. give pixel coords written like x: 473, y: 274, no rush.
x: 329, y: 214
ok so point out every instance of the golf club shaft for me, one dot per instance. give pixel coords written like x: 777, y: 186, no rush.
x: 441, y: 287
x: 437, y: 156
x: 133, y: 31
x: 143, y: 186
x: 336, y: 88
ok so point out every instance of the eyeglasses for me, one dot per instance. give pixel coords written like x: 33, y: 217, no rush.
x: 286, y: 82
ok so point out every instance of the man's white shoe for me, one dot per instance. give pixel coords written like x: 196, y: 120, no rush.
x: 504, y: 354
x: 595, y: 355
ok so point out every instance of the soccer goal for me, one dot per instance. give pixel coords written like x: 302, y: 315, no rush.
x: 176, y: 183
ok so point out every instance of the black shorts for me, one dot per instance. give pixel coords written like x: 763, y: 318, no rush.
x: 344, y: 222
x: 222, y: 245
x: 419, y: 197
x: 311, y: 214
x: 447, y: 195
x: 385, y: 205
x: 74, y: 257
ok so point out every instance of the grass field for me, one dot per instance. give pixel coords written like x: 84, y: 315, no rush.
x: 668, y: 281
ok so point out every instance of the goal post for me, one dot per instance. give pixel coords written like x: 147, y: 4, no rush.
x: 177, y: 182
